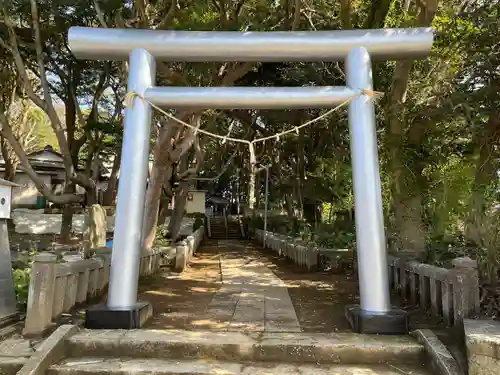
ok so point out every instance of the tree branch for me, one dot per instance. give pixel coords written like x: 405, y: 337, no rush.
x: 100, y: 14
x: 191, y: 172
x: 377, y: 14
x: 296, y: 15
x: 13, y: 48
x: 7, y: 133
x: 345, y: 14
x: 186, y: 141
x: 169, y: 16
x: 54, y: 118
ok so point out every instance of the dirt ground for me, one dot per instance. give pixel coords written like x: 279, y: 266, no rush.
x: 179, y: 300
x: 319, y: 298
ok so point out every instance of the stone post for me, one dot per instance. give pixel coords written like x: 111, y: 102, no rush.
x: 465, y: 289
x: 94, y: 233
x: 41, y: 294
x: 181, y: 256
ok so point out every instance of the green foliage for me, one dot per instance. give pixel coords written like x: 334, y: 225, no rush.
x: 162, y: 237
x: 22, y: 278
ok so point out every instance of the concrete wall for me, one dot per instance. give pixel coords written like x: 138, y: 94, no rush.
x: 36, y: 222
x: 197, y: 205
x: 26, y: 195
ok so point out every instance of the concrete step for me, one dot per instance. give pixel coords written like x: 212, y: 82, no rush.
x: 101, y: 366
x: 282, y: 347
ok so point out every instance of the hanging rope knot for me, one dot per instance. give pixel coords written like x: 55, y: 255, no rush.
x: 128, y: 100
x: 372, y: 93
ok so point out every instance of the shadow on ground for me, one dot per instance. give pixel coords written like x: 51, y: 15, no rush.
x: 180, y: 301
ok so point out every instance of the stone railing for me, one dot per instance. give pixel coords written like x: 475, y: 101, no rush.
x: 187, y: 248
x: 209, y: 229
x: 56, y: 287
x: 452, y: 294
x: 304, y: 256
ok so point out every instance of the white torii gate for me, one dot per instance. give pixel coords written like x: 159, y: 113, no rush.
x: 143, y: 47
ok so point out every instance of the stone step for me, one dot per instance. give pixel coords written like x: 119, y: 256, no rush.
x: 112, y: 366
x: 300, y: 347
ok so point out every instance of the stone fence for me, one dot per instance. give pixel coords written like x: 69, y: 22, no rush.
x: 187, y: 248
x: 304, y: 256
x: 452, y: 294
x: 57, y: 286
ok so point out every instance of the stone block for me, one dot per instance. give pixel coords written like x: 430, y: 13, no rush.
x: 50, y: 352
x: 41, y: 294
x: 482, y: 338
x: 59, y: 294
x: 181, y: 257
x: 95, y: 227
x: 70, y: 292
x: 93, y: 281
x: 441, y: 359
x: 83, y: 286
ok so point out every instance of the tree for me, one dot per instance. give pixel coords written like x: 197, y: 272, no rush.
x: 35, y: 38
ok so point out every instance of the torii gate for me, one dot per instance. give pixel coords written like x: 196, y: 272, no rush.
x: 142, y: 48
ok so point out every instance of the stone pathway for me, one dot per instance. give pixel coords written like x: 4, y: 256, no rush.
x: 252, y: 297
x: 15, y: 351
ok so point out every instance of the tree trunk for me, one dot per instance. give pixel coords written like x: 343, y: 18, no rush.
x: 406, y: 195
x: 109, y: 198
x: 258, y: 184
x: 174, y: 225
x: 158, y: 177
x: 10, y: 166
x: 164, y: 202
x: 67, y: 216
x: 345, y: 14
x: 486, y: 140
x: 289, y: 206
x: 300, y: 172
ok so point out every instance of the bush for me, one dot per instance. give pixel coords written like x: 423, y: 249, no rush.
x: 22, y: 277
x: 198, y: 222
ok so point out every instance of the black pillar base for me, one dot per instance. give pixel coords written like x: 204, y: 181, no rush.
x: 393, y: 322
x: 102, y: 317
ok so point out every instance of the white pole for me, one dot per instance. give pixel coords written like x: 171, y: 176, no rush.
x: 127, y: 239
x: 268, y: 46
x: 265, y: 207
x: 370, y: 235
x: 243, y: 97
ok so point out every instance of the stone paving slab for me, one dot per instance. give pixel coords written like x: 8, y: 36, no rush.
x: 252, y: 298
x: 89, y: 366
x: 14, y: 352
x: 16, y: 347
